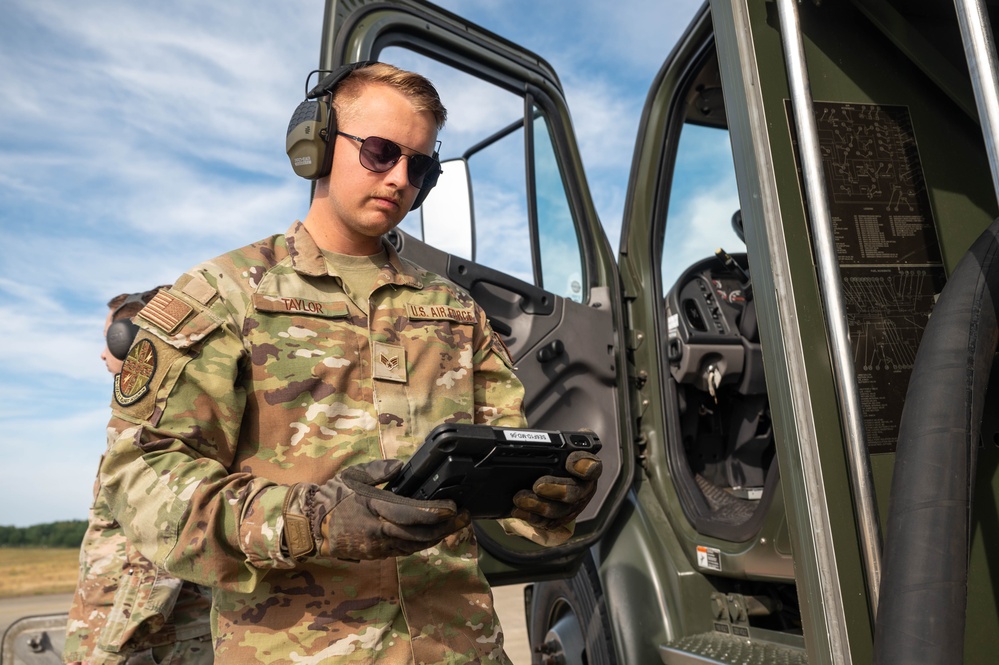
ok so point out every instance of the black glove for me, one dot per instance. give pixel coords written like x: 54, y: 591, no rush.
x: 556, y: 500
x: 349, y: 518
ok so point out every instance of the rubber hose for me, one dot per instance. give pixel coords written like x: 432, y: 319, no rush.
x: 924, y: 584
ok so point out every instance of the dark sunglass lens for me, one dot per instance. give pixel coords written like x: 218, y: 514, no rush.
x: 419, y: 166
x: 379, y: 155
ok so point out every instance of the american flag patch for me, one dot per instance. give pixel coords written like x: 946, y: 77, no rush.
x: 166, y: 311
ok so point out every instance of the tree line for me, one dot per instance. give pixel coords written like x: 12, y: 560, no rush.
x: 55, y: 534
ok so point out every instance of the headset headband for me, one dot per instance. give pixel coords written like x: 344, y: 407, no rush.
x: 130, y: 298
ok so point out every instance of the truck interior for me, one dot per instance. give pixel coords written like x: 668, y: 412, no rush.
x: 721, y: 439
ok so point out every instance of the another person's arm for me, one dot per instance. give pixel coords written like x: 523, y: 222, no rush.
x: 102, y: 556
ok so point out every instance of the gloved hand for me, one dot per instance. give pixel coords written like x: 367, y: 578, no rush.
x: 556, y: 501
x: 349, y: 518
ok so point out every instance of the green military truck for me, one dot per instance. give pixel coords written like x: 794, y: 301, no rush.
x: 799, y: 442
x: 787, y: 359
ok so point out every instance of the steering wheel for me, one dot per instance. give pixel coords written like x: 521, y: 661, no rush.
x: 711, y: 320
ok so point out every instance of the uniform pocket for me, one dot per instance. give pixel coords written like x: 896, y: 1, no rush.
x: 145, y: 599
x: 112, y: 636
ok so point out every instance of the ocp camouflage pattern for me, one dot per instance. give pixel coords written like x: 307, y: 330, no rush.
x: 123, y: 604
x: 273, y: 376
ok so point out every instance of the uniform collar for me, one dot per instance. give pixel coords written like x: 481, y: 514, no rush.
x: 307, y: 259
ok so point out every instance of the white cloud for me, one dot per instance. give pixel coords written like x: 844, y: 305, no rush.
x: 137, y: 141
x: 702, y: 224
x: 642, y: 33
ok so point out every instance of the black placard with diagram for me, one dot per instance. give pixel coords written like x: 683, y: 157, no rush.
x: 886, y: 242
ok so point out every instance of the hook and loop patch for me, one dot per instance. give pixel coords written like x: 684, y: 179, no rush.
x: 132, y: 383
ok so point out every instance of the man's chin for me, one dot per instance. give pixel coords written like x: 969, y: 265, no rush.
x: 380, y: 223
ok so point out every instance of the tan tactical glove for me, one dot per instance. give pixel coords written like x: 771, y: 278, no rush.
x: 349, y: 518
x: 556, y: 501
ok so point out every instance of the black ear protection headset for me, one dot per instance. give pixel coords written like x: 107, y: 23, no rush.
x: 312, y: 131
x: 121, y: 333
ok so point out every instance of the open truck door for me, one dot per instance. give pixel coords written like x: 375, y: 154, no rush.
x: 511, y: 221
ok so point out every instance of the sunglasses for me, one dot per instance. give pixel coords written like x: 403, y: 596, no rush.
x: 379, y: 155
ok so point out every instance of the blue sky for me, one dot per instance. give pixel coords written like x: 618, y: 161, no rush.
x: 139, y: 138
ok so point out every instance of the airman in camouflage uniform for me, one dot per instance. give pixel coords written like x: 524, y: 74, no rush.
x: 272, y: 389
x: 124, y: 608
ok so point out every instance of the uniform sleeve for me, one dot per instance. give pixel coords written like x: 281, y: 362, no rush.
x: 102, y: 556
x: 176, y: 418
x: 499, y: 394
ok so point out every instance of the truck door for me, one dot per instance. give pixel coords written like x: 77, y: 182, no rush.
x: 511, y: 220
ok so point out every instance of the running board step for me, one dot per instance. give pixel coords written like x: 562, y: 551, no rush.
x: 716, y: 648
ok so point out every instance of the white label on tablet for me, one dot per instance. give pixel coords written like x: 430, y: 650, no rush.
x: 526, y: 435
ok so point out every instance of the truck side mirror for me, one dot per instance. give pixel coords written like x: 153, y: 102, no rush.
x: 448, y: 224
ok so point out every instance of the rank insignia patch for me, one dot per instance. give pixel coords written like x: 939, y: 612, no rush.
x: 390, y: 362
x: 132, y: 383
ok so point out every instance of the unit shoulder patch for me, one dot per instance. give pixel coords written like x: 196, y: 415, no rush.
x: 132, y: 383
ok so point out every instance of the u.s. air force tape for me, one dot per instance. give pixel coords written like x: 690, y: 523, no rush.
x: 441, y: 313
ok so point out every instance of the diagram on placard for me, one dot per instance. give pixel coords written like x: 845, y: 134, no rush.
x: 886, y: 244
x: 871, y: 151
x: 899, y: 302
x: 889, y: 257
x: 877, y: 195
x: 887, y: 310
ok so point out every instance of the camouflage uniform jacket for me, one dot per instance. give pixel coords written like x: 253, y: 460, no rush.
x: 123, y: 604
x: 257, y: 371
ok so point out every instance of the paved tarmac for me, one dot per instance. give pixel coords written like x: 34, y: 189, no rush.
x: 509, y: 605
x: 509, y: 602
x: 12, y: 609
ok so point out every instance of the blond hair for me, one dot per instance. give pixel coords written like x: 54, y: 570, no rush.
x: 416, y: 87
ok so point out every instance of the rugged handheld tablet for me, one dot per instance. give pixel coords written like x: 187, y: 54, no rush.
x: 481, y: 467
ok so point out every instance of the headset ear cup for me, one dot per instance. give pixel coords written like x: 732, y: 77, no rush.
x: 121, y: 334
x: 312, y: 130
x: 307, y: 147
